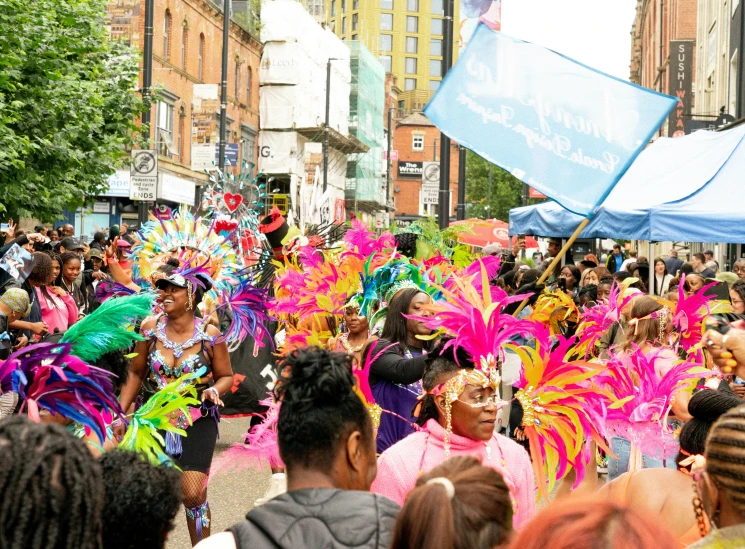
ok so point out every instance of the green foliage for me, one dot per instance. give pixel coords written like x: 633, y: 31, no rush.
x: 246, y: 14
x: 491, y: 192
x: 68, y: 104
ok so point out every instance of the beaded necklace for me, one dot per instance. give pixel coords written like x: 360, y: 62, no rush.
x: 179, y: 348
x: 344, y: 340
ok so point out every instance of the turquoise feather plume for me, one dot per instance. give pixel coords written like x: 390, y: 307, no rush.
x: 110, y: 327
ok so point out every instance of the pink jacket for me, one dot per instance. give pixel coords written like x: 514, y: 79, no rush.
x: 61, y: 317
x: 400, y: 465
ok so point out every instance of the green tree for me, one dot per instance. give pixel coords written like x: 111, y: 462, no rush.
x: 68, y: 105
x: 490, y: 191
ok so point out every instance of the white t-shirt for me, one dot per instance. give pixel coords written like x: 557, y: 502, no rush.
x: 627, y: 262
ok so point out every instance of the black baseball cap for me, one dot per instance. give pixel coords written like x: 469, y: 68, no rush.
x: 70, y: 243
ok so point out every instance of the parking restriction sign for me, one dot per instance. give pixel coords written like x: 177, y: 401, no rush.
x: 143, y: 175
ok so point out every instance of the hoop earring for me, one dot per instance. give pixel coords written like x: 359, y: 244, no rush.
x: 698, y: 509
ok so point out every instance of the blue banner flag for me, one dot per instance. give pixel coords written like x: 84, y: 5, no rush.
x: 565, y: 129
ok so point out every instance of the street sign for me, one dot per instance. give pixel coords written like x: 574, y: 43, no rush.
x: 430, y: 182
x: 430, y: 194
x: 431, y: 173
x: 231, y: 154
x: 143, y: 175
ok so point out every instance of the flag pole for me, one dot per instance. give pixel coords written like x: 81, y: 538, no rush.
x: 556, y: 259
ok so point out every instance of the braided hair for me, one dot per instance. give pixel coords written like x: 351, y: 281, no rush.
x: 406, y: 243
x: 52, y: 489
x: 725, y: 454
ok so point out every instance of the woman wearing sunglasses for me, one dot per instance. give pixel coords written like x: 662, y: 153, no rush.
x: 457, y: 415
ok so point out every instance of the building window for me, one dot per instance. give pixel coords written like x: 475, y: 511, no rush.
x: 417, y: 142
x: 344, y: 6
x: 435, y: 67
x: 412, y: 5
x: 200, y: 58
x: 435, y: 47
x: 437, y: 27
x: 355, y: 4
x: 410, y: 84
x: 437, y: 7
x: 411, y: 65
x: 434, y: 84
x: 386, y: 21
x: 412, y: 43
x: 355, y: 37
x: 167, y: 35
x: 248, y: 146
x: 386, y: 4
x: 343, y: 25
x: 386, y: 42
x: 164, y: 130
x: 237, y: 87
x: 412, y: 23
x: 181, y: 133
x: 401, y: 105
x: 355, y: 21
x: 184, y: 47
x: 386, y: 60
x: 333, y: 9
x: 249, y: 78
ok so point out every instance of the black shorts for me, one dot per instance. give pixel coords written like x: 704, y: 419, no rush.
x: 198, y: 445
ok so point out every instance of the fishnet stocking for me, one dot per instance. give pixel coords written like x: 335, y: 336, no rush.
x: 195, y: 494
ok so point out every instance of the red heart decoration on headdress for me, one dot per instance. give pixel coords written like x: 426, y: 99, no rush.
x: 232, y: 201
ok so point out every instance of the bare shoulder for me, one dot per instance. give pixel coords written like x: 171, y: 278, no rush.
x: 149, y: 323
x: 223, y: 540
x: 212, y: 331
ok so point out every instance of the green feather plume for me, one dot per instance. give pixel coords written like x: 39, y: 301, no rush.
x: 143, y: 434
x: 108, y: 328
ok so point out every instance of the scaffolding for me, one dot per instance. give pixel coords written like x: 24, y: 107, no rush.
x: 365, y: 188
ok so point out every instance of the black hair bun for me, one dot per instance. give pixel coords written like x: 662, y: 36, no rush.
x: 314, y: 378
x: 709, y: 405
x: 460, y: 356
x: 173, y: 262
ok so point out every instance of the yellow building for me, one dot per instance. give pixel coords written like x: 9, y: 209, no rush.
x: 406, y: 35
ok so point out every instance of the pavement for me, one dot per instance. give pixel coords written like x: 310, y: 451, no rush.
x: 231, y: 495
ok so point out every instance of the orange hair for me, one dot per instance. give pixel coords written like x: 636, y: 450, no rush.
x: 592, y: 524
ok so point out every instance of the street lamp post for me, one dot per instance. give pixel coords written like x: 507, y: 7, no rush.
x: 224, y: 85
x: 147, y: 85
x: 447, y: 62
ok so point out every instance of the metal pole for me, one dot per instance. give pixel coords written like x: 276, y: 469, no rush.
x: 224, y: 85
x: 326, y: 128
x: 460, y: 212
x: 447, y: 62
x: 526, y: 194
x: 388, y: 158
x: 147, y: 84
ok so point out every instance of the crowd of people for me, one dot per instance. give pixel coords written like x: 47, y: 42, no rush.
x: 426, y: 395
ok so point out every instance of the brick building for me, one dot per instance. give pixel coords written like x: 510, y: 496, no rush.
x: 187, y: 46
x: 187, y: 54
x: 417, y: 140
x: 657, y: 23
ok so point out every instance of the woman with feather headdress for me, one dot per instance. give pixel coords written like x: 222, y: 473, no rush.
x: 653, y: 385
x: 177, y: 343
